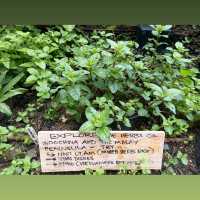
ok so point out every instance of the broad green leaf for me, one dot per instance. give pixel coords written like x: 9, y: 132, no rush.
x: 155, y: 33
x: 62, y: 96
x: 5, y: 61
x: 109, y: 121
x: 86, y: 127
x: 31, y: 79
x: 12, y: 83
x: 35, y: 165
x: 186, y: 72
x: 27, y: 65
x: 41, y: 64
x: 169, y: 59
x: 104, y: 115
x: 143, y: 112
x: 127, y: 122
x: 107, y: 58
x: 174, y: 93
x: 184, y: 159
x: 111, y: 43
x: 138, y: 64
x: 170, y: 106
x: 4, y: 146
x: 101, y: 72
x: 177, y: 55
x: 179, y: 155
x: 3, y: 130
x: 113, y: 86
x: 90, y: 112
x: 169, y: 130
x: 157, y: 90
x: 33, y: 71
x: 5, y: 109
x: 179, y: 45
x: 43, y: 89
x: 69, y: 27
x: 2, y: 77
x: 103, y: 133
x: 75, y: 92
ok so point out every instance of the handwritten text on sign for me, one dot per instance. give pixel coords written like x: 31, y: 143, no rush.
x: 71, y: 151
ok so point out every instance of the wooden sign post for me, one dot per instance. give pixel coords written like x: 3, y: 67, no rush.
x: 72, y: 151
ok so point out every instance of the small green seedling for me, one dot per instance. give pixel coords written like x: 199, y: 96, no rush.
x: 21, y: 166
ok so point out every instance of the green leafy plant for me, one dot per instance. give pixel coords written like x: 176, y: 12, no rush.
x: 7, y: 90
x: 21, y: 166
x: 111, y: 75
x: 101, y: 80
x: 174, y: 126
x: 171, y: 162
x: 4, y: 146
x: 24, y: 115
x: 109, y: 78
x: 159, y: 29
x: 12, y: 133
x: 97, y: 121
x: 182, y: 157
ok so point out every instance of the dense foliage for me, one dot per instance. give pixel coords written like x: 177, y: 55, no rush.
x: 101, y: 82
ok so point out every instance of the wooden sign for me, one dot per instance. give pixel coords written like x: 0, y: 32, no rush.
x: 72, y: 151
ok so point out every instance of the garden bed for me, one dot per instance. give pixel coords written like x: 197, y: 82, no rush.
x: 181, y: 152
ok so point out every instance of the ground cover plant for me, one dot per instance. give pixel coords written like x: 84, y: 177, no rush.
x: 99, y: 81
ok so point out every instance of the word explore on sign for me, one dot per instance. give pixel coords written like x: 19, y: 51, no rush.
x: 73, y: 151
